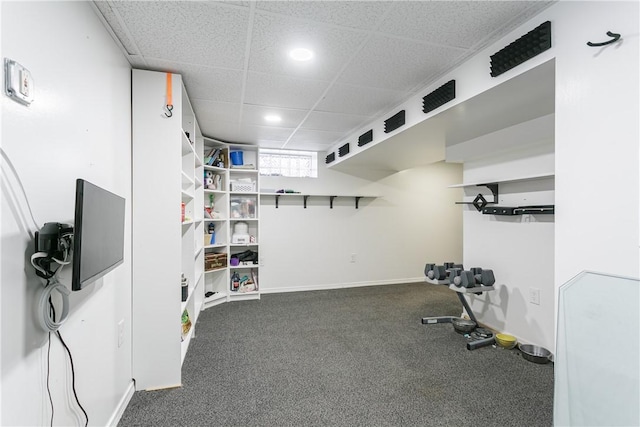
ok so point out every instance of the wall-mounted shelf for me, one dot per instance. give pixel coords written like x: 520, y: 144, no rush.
x: 305, y: 197
x: 504, y: 181
x: 520, y: 210
x: 480, y: 202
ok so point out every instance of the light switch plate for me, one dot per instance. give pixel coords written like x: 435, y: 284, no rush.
x: 18, y: 83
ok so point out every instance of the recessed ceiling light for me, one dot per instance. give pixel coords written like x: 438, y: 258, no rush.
x: 273, y: 118
x: 300, y: 54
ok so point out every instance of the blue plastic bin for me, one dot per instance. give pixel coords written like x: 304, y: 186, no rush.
x: 236, y: 158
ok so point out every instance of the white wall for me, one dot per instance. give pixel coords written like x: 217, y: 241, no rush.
x: 78, y: 127
x: 415, y: 221
x: 596, y: 144
x: 597, y: 136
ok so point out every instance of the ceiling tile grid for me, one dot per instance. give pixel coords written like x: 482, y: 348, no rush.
x: 202, y: 82
x: 193, y: 32
x: 369, y: 57
x: 359, y: 100
x: 363, y: 15
x: 282, y: 91
x: 334, y: 122
x: 399, y: 64
x: 274, y: 35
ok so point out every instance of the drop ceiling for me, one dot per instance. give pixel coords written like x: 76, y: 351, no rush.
x: 369, y: 56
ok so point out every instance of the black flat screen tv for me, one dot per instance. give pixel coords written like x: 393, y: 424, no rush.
x: 98, y: 233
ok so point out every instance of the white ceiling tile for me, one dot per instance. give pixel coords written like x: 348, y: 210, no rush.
x: 282, y: 91
x: 219, y: 111
x: 359, y: 100
x: 308, y: 146
x: 256, y: 134
x: 111, y: 17
x: 452, y: 23
x: 307, y: 136
x: 214, y: 84
x: 398, y: 64
x: 194, y: 32
x: 335, y: 122
x: 273, y: 36
x: 254, y: 115
x: 353, y: 14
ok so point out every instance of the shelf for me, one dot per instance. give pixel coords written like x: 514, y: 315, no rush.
x: 243, y: 219
x: 207, y: 191
x: 215, y: 270
x: 232, y: 169
x: 185, y: 342
x: 244, y: 267
x: 244, y: 193
x: 215, y: 299
x: 187, y: 148
x: 305, y: 196
x: 242, y: 245
x: 504, y: 181
x: 214, y: 219
x: 198, y: 250
x: 244, y: 295
x: 213, y: 168
x: 187, y: 222
x: 186, y: 179
x: 217, y: 245
x: 186, y: 195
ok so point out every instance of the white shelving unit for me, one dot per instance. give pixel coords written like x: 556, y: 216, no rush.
x: 167, y: 228
x: 232, y: 198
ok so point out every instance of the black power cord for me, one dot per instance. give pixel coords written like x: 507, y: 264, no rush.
x: 73, y: 372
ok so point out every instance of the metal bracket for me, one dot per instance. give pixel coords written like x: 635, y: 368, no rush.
x: 358, y: 200
x: 331, y: 201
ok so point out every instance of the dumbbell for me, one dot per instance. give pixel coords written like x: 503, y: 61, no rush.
x: 448, y: 265
x: 454, y: 276
x: 467, y: 279
x: 477, y: 274
x: 487, y: 278
x: 439, y: 272
x: 428, y: 270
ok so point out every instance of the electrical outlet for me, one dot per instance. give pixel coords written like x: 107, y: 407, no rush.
x: 353, y: 257
x: 534, y: 296
x: 120, y: 333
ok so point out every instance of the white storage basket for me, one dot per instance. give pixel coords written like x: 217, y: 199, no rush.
x: 243, y: 186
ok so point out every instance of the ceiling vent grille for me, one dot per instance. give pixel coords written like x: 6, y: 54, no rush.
x: 526, y: 47
x: 365, y: 138
x: 330, y: 158
x: 439, y: 97
x: 393, y: 123
x: 344, y: 150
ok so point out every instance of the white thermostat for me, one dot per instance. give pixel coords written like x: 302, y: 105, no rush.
x: 18, y: 83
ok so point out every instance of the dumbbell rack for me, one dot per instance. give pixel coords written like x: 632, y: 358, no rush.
x: 460, y: 291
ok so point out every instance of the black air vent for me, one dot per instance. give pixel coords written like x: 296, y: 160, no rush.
x: 330, y: 158
x: 365, y: 138
x: 344, y: 150
x: 393, y: 123
x: 439, y: 97
x: 526, y: 47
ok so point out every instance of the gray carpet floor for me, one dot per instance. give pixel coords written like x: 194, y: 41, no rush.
x: 349, y: 357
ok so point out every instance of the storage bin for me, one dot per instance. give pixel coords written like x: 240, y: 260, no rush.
x: 214, y: 260
x: 243, y: 186
x: 237, y: 158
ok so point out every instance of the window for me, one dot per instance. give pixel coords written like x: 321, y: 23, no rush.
x: 296, y: 164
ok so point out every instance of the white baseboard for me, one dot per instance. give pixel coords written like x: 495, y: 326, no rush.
x: 339, y: 285
x: 122, y: 405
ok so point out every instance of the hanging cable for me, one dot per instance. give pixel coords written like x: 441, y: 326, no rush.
x: 73, y: 378
x: 24, y: 193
